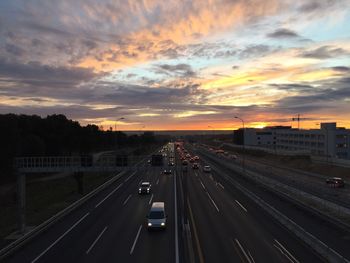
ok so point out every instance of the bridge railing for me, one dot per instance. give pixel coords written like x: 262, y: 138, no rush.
x: 73, y: 163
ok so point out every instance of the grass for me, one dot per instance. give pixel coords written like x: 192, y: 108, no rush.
x: 46, y: 198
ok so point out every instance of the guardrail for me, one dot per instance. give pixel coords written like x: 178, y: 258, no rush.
x: 334, y: 211
x: 6, y: 251
x: 317, y: 245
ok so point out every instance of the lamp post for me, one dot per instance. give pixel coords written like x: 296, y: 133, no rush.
x: 243, y: 159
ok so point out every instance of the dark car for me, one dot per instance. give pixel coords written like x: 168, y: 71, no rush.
x: 167, y: 171
x: 335, y: 182
x: 184, y: 162
x: 145, y: 188
x: 195, y: 166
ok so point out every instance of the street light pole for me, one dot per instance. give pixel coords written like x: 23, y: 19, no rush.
x: 243, y: 162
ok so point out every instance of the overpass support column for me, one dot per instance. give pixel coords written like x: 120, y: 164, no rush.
x: 21, y: 202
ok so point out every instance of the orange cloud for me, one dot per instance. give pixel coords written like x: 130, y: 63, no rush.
x: 180, y: 22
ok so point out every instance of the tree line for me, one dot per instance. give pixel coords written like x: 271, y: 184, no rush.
x: 54, y: 135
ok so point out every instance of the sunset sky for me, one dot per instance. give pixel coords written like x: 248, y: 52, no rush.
x: 177, y: 64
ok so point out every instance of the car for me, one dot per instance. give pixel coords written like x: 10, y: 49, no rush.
x: 184, y: 162
x: 335, y: 182
x: 196, y: 158
x: 195, y: 166
x: 234, y: 157
x: 145, y: 188
x: 191, y: 160
x: 188, y: 156
x: 156, y: 218
x: 167, y: 171
x: 206, y: 169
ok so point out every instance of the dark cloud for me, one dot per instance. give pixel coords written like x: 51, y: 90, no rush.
x: 283, y: 33
x: 321, y: 98
x: 341, y: 69
x: 310, y: 7
x: 14, y: 50
x: 34, y: 71
x: 323, y: 52
x: 315, y: 6
x: 183, y: 70
x: 255, y: 51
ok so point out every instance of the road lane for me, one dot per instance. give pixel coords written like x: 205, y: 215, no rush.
x: 255, y: 230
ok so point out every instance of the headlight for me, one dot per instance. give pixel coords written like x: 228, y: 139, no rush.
x: 140, y: 189
x: 162, y: 224
x: 149, y: 224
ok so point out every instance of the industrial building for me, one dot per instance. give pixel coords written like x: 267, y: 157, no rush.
x: 329, y: 140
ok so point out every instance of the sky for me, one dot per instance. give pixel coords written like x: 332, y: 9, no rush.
x: 177, y: 64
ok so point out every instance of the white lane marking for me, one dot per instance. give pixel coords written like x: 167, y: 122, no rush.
x: 176, y: 233
x: 150, y: 200
x: 251, y: 257
x: 58, y: 239
x: 241, y: 206
x: 202, y: 184
x: 94, y: 243
x: 285, y: 252
x: 137, y: 236
x: 130, y: 176
x: 221, y: 186
x: 211, y: 199
x: 157, y: 181
x: 241, y: 248
x: 104, y: 199
x: 127, y: 199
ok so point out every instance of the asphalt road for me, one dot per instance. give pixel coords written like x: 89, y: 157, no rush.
x: 111, y: 227
x: 231, y: 228
x: 333, y: 236
x: 226, y: 226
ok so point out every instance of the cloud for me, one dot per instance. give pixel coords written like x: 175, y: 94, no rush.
x: 341, y: 68
x: 36, y: 73
x: 183, y: 70
x: 320, y: 98
x: 283, y: 33
x: 253, y: 51
x: 324, y: 52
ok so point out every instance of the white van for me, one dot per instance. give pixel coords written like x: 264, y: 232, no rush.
x: 157, y: 217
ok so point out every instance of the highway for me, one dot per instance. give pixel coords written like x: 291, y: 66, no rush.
x: 330, y: 234
x: 225, y: 225
x: 111, y: 227
x: 231, y: 228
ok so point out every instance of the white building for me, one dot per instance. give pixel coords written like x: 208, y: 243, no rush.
x: 327, y: 141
